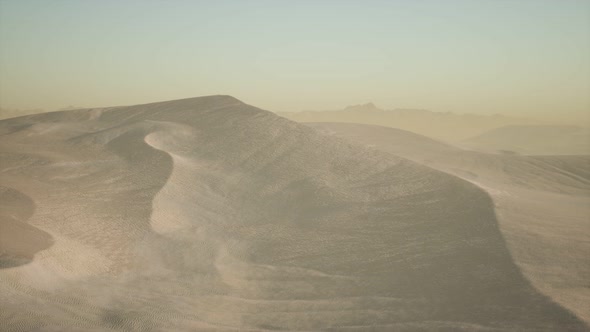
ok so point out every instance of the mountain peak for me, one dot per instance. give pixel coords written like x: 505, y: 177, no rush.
x: 362, y: 107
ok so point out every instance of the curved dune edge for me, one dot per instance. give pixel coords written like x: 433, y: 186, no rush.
x: 246, y: 221
x: 167, y: 213
x: 554, y: 221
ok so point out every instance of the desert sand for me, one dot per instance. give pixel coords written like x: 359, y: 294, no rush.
x: 542, y: 203
x: 210, y: 214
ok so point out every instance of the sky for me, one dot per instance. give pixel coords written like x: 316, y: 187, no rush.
x: 464, y: 56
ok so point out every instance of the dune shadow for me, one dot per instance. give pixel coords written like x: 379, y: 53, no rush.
x: 19, y: 241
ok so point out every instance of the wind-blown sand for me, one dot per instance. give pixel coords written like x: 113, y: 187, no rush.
x: 543, y: 203
x: 209, y: 214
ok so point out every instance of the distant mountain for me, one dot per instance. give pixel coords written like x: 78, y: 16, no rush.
x: 533, y: 140
x: 447, y: 126
x: 362, y: 107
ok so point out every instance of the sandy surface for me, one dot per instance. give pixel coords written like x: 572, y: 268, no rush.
x: 209, y: 214
x: 543, y: 204
x: 19, y: 241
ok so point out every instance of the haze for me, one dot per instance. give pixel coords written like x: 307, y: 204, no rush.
x: 511, y: 57
x: 295, y: 166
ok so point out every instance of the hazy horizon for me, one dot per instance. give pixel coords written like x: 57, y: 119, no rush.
x: 522, y: 58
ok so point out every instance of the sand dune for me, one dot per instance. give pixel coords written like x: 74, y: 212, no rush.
x: 561, y: 174
x: 533, y: 140
x: 543, y: 203
x: 210, y: 214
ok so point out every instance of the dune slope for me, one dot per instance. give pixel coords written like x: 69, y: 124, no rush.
x: 19, y: 241
x: 543, y: 203
x: 207, y: 213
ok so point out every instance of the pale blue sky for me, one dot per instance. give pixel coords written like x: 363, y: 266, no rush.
x: 495, y: 56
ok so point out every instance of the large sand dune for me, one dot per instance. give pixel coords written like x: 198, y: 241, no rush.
x: 543, y: 203
x: 209, y: 214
